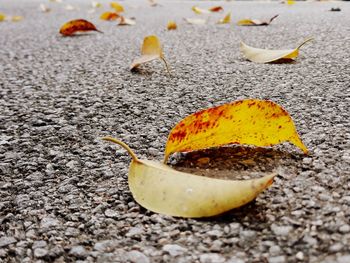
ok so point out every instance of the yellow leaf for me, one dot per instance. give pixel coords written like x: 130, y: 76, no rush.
x: 195, y: 21
x: 117, y: 7
x: 161, y: 189
x: 199, y: 11
x: 78, y: 25
x: 2, y: 17
x: 151, y: 50
x: 252, y: 122
x: 226, y: 19
x: 109, y: 16
x: 126, y: 21
x: 255, y: 22
x: 290, y: 2
x: 259, y: 55
x: 16, y: 18
x: 171, y: 25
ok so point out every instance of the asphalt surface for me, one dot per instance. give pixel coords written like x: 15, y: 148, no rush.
x: 63, y: 192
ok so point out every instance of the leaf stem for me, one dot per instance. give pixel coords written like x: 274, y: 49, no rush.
x: 166, y: 64
x: 305, y: 41
x: 125, y: 146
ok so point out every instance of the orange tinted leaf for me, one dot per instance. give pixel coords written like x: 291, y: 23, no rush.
x: 216, y: 9
x: 226, y: 19
x: 117, y: 7
x: 78, y: 25
x: 199, y: 11
x: 109, y: 16
x: 151, y: 50
x: 171, y: 25
x: 252, y: 122
x: 2, y: 17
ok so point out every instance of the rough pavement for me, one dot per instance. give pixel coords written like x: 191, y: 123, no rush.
x: 63, y: 192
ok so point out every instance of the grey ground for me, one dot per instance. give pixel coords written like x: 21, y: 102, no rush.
x: 63, y: 192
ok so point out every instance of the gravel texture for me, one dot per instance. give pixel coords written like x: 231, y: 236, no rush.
x: 63, y: 192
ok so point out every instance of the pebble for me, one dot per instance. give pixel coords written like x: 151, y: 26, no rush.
x: 5, y: 241
x: 111, y: 213
x: 278, y: 259
x: 78, y: 252
x: 281, y: 230
x: 174, y: 250
x: 299, y: 256
x: 134, y: 231
x: 48, y: 222
x: 275, y: 250
x: 135, y: 256
x: 344, y: 229
x: 343, y: 259
x: 40, y: 252
x: 211, y: 258
x: 39, y: 243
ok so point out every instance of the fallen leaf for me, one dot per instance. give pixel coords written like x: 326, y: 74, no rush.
x: 95, y: 4
x: 152, y: 3
x: 78, y: 25
x: 226, y: 19
x: 216, y: 9
x: 199, y: 11
x: 171, y: 25
x: 255, y: 22
x: 290, y: 2
x: 251, y: 121
x: 161, y: 189
x: 2, y: 17
x: 151, y: 50
x: 335, y: 9
x: 109, y: 16
x: 44, y: 8
x: 16, y: 18
x: 195, y: 21
x: 117, y: 7
x: 259, y: 55
x: 126, y: 21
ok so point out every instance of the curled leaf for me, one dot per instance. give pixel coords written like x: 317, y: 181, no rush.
x: 216, y: 9
x: 109, y: 16
x: 195, y: 21
x: 78, y: 25
x: 199, y: 11
x: 161, y: 189
x: 255, y: 22
x: 171, y: 25
x: 117, y: 7
x: 126, y: 21
x: 252, y: 122
x: 259, y: 55
x: 226, y: 19
x: 151, y: 50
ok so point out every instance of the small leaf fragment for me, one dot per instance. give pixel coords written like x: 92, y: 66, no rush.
x: 78, y: 25
x: 195, y: 21
x: 226, y: 19
x: 117, y: 7
x: 199, y: 11
x: 255, y: 22
x: 126, y: 21
x: 109, y: 16
x: 216, y: 9
x: 251, y: 121
x: 44, y: 8
x: 16, y: 18
x: 95, y: 4
x: 259, y: 55
x: 69, y: 8
x: 161, y: 189
x: 151, y: 50
x: 171, y: 25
